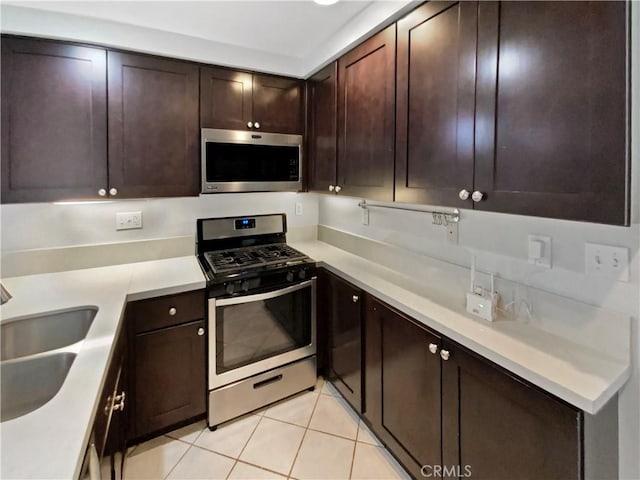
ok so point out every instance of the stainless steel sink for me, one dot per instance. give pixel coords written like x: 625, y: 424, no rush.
x: 40, y: 333
x: 29, y: 383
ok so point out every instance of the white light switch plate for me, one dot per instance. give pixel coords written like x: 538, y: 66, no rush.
x: 298, y: 209
x: 365, y: 216
x: 128, y: 220
x: 607, y: 261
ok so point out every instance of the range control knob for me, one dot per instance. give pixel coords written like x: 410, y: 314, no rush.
x: 230, y: 288
x: 302, y: 274
x: 289, y: 276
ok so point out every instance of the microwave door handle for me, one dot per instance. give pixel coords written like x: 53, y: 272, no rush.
x: 262, y: 296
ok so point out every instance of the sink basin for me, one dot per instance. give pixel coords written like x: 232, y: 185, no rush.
x: 29, y: 383
x: 43, y: 332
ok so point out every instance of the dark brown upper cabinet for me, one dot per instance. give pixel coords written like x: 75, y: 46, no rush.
x: 435, y: 103
x: 54, y: 121
x: 551, y: 131
x: 366, y: 118
x: 237, y: 100
x: 153, y: 126
x: 321, y: 131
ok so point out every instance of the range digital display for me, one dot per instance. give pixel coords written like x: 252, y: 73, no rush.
x: 243, y: 223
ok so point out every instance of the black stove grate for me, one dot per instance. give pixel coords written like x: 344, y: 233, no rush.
x: 226, y: 261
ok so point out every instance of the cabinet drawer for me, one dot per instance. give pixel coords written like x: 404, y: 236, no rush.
x: 166, y: 311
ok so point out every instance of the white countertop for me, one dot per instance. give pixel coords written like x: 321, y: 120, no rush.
x: 584, y: 377
x: 50, y: 441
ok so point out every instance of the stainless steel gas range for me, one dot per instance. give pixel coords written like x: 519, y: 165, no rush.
x: 261, y: 314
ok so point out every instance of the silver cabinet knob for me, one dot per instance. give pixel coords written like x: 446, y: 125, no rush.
x: 331, y: 188
x: 444, y: 354
x: 200, y: 331
x: 173, y: 311
x: 477, y: 196
x: 256, y: 125
x: 464, y: 194
x: 338, y: 188
x: 249, y: 124
x: 355, y: 298
x: 102, y: 192
x: 113, y: 191
x: 433, y: 348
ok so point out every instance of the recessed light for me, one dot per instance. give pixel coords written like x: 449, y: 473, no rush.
x: 325, y: 2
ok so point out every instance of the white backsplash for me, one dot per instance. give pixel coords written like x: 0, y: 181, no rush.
x: 49, y: 225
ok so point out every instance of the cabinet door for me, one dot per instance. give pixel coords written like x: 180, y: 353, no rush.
x: 345, y: 339
x: 435, y: 103
x: 551, y: 130
x: 169, y: 377
x: 54, y: 121
x: 322, y: 129
x: 225, y: 98
x: 411, y: 393
x: 153, y: 126
x: 366, y: 117
x: 497, y: 427
x: 278, y: 104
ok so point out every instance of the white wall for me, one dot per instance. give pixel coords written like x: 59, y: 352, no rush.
x: 45, y: 225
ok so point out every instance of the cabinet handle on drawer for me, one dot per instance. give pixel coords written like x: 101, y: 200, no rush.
x: 355, y: 298
x: 433, y: 348
x: 173, y: 311
x: 200, y: 331
x: 444, y: 354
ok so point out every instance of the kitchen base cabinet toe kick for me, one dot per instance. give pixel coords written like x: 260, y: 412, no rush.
x: 445, y: 412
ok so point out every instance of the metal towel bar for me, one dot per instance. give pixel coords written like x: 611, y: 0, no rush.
x: 440, y: 216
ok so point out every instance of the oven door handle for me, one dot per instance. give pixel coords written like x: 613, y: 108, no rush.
x: 261, y: 296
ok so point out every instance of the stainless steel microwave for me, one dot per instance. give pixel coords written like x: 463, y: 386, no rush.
x: 244, y: 161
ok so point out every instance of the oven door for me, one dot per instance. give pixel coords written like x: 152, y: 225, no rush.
x: 255, y: 333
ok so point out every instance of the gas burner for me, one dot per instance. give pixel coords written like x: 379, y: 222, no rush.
x: 228, y: 261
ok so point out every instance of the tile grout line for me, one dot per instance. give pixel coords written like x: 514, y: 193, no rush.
x: 304, y: 435
x: 355, y: 446
x: 179, y: 460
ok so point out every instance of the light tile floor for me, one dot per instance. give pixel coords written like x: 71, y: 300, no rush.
x: 313, y: 435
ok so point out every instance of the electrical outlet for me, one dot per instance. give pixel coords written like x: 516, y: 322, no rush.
x: 298, y: 209
x: 607, y: 261
x: 539, y: 250
x: 128, y: 220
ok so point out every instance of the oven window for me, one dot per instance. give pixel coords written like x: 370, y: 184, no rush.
x: 249, y: 332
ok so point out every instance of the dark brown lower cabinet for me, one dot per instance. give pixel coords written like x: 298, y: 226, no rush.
x: 446, y: 412
x: 497, y: 427
x: 340, y: 311
x: 110, y: 423
x: 403, y: 395
x: 167, y: 349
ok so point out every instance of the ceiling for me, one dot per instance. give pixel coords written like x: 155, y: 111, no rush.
x: 288, y: 37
